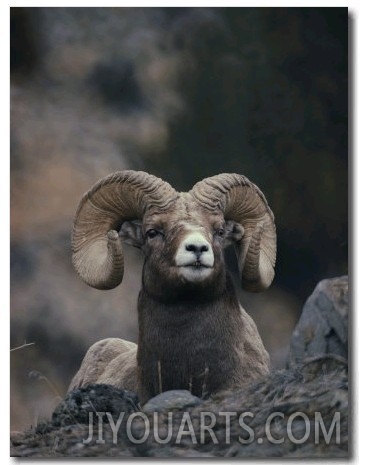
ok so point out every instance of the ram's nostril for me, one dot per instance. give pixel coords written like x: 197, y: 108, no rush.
x: 197, y: 249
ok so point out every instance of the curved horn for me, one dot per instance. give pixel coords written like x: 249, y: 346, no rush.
x: 97, y: 252
x: 242, y: 201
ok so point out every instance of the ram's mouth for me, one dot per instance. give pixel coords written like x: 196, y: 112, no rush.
x: 196, y: 265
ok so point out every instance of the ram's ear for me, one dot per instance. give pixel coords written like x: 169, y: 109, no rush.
x: 131, y: 233
x: 234, y: 232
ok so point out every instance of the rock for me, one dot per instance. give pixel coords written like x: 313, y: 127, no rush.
x: 323, y: 325
x: 75, y: 408
x: 169, y: 400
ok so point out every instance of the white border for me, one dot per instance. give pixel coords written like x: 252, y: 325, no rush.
x: 167, y: 3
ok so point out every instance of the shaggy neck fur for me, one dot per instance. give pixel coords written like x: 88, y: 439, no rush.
x: 197, y: 351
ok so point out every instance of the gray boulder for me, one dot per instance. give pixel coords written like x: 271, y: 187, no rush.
x: 323, y: 325
x: 174, y: 399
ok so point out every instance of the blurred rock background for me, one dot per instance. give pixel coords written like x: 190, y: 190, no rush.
x: 183, y: 93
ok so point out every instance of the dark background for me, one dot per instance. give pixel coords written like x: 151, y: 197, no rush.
x: 182, y: 93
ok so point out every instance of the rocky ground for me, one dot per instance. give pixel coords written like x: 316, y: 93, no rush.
x: 320, y: 385
x: 299, y: 411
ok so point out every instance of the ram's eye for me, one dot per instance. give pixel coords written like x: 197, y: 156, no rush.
x: 220, y: 232
x: 151, y: 233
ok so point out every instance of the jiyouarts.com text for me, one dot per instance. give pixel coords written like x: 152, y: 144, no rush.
x: 202, y: 429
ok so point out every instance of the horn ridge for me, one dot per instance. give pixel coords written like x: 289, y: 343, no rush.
x: 241, y: 200
x: 120, y: 196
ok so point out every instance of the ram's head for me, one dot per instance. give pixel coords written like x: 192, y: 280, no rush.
x: 182, y: 234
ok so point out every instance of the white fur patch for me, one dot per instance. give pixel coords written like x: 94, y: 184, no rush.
x: 195, y: 249
x: 191, y: 273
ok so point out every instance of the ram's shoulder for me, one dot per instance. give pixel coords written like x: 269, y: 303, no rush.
x: 98, y: 359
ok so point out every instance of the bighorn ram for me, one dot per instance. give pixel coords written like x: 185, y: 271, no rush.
x: 193, y: 333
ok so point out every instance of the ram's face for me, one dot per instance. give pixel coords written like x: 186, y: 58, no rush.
x: 183, y: 246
